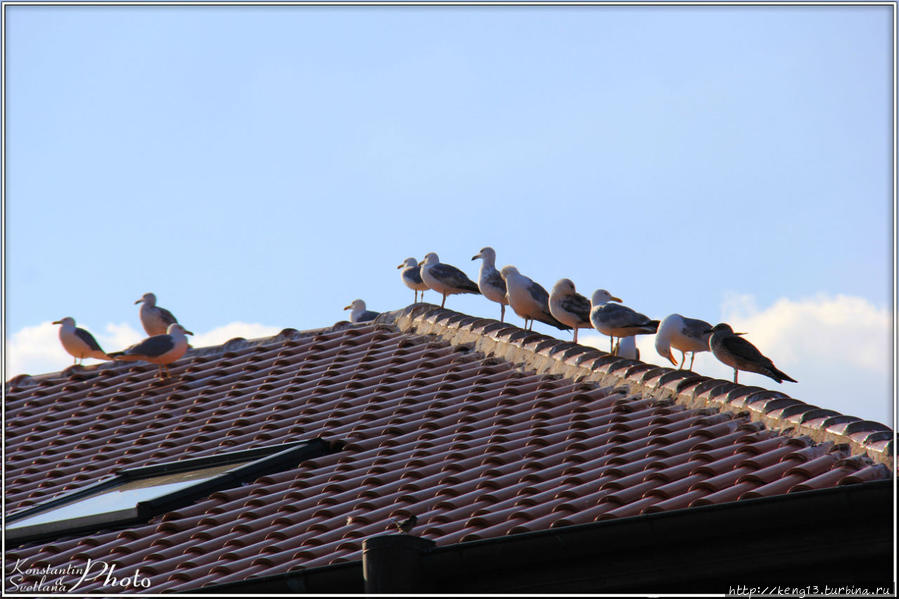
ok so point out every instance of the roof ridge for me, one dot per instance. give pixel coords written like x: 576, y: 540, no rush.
x: 231, y: 345
x: 548, y: 355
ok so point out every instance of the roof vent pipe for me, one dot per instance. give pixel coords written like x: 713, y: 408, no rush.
x: 391, y: 563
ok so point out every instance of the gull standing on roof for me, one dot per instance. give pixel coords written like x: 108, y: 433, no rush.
x: 490, y: 281
x: 158, y: 349
x: 627, y: 348
x: 359, y: 313
x: 78, y: 342
x: 412, y: 277
x: 616, y: 320
x: 569, y: 307
x: 529, y: 299
x: 445, y: 279
x: 156, y: 319
x: 740, y: 354
x: 684, y: 334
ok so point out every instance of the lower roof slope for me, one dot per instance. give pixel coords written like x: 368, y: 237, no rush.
x: 477, y: 427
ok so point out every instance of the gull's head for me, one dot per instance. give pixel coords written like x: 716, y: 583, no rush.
x: 601, y: 296
x: 508, y: 271
x: 663, y: 340
x: 486, y: 254
x: 177, y: 328
x: 357, y: 304
x: 722, y: 327
x: 408, y: 262
x: 563, y: 286
x: 431, y: 258
x: 68, y: 321
x: 148, y: 299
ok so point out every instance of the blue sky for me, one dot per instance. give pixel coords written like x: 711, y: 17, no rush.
x: 267, y: 165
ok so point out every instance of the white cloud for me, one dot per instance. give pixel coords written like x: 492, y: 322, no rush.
x: 37, y: 350
x: 229, y: 331
x: 837, y: 347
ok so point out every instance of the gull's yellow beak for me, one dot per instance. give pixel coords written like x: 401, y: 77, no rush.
x: 57, y: 322
x: 671, y: 357
x: 139, y: 301
x: 401, y: 265
x: 615, y: 299
x: 348, y: 308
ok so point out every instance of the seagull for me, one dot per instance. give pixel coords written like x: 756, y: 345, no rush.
x: 742, y: 355
x: 78, y: 342
x: 444, y: 278
x: 158, y: 349
x: 405, y: 526
x: 156, y: 320
x: 627, y: 348
x: 412, y: 277
x: 616, y: 320
x: 529, y: 299
x: 359, y: 313
x: 569, y: 307
x: 490, y: 281
x: 684, y: 334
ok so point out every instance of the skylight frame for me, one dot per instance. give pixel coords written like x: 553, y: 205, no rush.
x: 262, y: 461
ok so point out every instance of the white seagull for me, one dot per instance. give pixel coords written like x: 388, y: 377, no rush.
x: 156, y: 319
x: 490, y: 281
x: 739, y: 354
x: 569, y: 307
x: 158, y: 349
x: 359, y: 313
x: 627, y: 348
x: 445, y: 279
x: 684, y: 334
x: 411, y: 276
x: 528, y: 299
x: 616, y: 320
x: 78, y: 342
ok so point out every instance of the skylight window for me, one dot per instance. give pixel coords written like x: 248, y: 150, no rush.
x: 136, y: 494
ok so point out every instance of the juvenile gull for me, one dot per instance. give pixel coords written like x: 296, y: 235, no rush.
x: 627, y: 348
x: 528, y: 299
x: 359, y: 313
x: 569, y: 307
x: 684, y: 334
x: 490, y: 281
x: 156, y: 319
x: 158, y: 349
x: 616, y: 320
x: 740, y: 354
x: 445, y: 279
x: 78, y: 342
x: 412, y: 277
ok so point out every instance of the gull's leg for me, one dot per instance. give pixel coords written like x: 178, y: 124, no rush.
x: 692, y: 357
x: 683, y: 361
x: 502, y: 312
x: 444, y: 301
x: 735, y: 374
x: 575, y: 334
x: 611, y: 347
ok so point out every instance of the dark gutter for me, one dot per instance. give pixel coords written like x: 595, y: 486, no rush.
x: 839, y: 536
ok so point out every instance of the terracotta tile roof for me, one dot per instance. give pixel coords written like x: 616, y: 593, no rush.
x: 480, y: 428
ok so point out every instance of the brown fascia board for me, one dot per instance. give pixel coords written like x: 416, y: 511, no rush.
x: 548, y: 355
x: 837, y: 536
